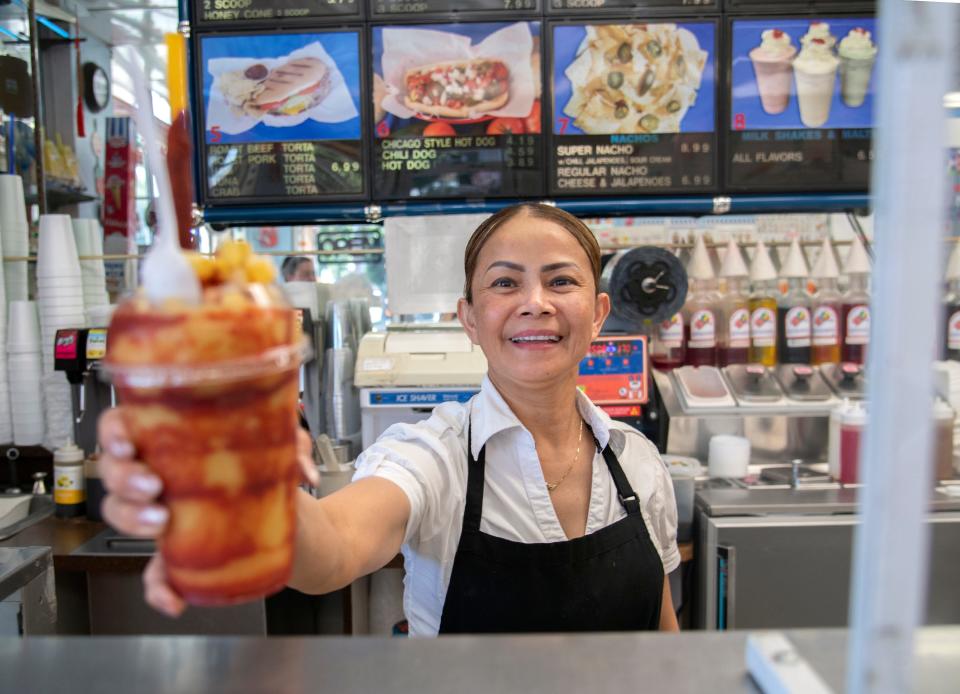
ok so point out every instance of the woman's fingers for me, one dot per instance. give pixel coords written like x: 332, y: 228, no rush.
x: 157, y: 592
x: 112, y: 435
x: 132, y: 518
x: 305, y: 459
x: 129, y: 480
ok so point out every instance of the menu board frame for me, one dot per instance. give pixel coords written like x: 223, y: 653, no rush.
x: 726, y: 131
x: 639, y: 10
x: 720, y: 56
x: 303, y: 23
x: 817, y: 7
x: 448, y: 16
x: 414, y: 22
x: 199, y: 121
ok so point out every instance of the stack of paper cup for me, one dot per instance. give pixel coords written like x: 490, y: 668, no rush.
x: 14, y: 236
x: 89, y: 238
x: 25, y: 371
x: 60, y: 297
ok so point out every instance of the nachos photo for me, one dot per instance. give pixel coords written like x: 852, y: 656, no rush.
x: 634, y: 78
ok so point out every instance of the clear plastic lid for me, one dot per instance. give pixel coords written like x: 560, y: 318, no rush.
x: 273, y: 361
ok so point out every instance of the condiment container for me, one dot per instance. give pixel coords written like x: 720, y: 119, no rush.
x: 69, y: 489
x: 943, y: 419
x: 729, y: 456
x: 851, y: 437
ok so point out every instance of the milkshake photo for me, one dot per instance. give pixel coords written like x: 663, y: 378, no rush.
x: 793, y: 73
x: 815, y: 71
x: 857, y: 55
x: 773, y: 64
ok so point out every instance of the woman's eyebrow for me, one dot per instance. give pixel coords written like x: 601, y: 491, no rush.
x: 520, y: 268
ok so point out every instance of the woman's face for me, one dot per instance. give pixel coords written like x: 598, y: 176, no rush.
x: 535, y: 309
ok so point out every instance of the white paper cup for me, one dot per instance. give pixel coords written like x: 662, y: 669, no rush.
x: 729, y: 456
x: 57, y: 247
x: 23, y: 326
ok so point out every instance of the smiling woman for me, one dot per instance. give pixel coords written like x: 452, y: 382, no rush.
x: 526, y: 509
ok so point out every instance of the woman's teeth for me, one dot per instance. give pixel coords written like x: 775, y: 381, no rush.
x: 536, y: 338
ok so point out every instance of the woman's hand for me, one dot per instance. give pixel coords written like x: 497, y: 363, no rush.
x: 132, y: 507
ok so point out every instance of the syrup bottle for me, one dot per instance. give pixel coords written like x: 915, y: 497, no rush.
x: 700, y: 309
x: 951, y: 308
x: 763, y: 309
x: 794, y: 328
x: 667, y: 351
x: 855, y: 306
x: 826, y: 308
x: 733, y: 321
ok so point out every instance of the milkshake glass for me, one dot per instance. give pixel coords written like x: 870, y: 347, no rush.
x: 772, y: 66
x: 857, y: 55
x: 815, y: 71
x: 209, y: 396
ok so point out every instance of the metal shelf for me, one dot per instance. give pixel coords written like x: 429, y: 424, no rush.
x: 588, y: 207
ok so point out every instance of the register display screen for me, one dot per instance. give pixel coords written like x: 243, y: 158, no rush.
x: 614, y: 371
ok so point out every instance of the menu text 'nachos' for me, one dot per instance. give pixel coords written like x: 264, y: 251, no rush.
x: 634, y: 78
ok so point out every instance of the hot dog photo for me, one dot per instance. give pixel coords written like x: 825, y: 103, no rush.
x: 281, y: 87
x: 457, y: 79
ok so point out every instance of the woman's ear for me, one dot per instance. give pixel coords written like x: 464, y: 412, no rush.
x: 601, y: 309
x: 465, y: 314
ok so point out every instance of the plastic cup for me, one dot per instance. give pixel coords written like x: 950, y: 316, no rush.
x: 729, y: 456
x: 774, y: 79
x: 57, y: 248
x: 216, y: 420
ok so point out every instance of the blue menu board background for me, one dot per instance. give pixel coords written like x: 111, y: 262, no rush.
x: 745, y: 98
x: 343, y: 47
x: 701, y: 116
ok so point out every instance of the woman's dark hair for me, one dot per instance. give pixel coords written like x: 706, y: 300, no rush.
x: 580, y: 231
x: 291, y: 264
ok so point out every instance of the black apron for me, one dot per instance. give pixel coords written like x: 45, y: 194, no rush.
x: 610, y: 580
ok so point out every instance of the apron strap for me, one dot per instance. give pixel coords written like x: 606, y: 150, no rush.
x: 475, y: 473
x: 627, y: 496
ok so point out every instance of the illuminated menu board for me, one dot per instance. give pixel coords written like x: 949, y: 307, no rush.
x: 456, y: 110
x: 395, y: 9
x: 594, y: 6
x: 801, y: 103
x: 241, y: 13
x: 633, y: 108
x: 614, y: 371
x: 281, y: 117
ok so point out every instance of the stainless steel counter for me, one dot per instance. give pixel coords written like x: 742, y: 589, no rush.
x: 759, y: 501
x: 616, y: 663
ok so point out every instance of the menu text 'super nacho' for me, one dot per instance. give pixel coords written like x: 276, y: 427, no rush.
x: 281, y: 117
x: 456, y: 110
x: 633, y: 108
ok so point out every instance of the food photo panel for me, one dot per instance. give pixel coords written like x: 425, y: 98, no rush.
x: 633, y: 108
x: 281, y: 115
x: 801, y: 102
x: 456, y: 110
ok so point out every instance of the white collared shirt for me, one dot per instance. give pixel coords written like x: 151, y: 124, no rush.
x: 428, y: 461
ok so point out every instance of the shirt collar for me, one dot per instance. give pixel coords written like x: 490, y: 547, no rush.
x: 490, y: 414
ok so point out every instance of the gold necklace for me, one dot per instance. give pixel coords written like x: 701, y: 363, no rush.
x: 576, y: 457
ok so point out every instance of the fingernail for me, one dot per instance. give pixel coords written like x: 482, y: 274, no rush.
x: 153, y: 515
x: 146, y: 484
x: 120, y: 449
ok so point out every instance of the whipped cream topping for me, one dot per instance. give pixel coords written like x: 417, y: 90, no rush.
x: 857, y: 45
x: 819, y: 30
x: 775, y: 45
x: 816, y: 57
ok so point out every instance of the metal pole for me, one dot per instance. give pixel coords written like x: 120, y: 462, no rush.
x: 38, y: 129
x: 891, y: 555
